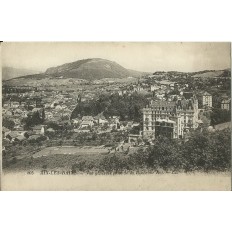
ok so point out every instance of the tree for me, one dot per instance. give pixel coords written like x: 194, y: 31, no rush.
x: 33, y: 120
x: 165, y: 154
x: 8, y: 123
x: 219, y: 116
x: 136, y: 129
x: 43, y: 115
x: 53, y: 125
x: 127, y: 107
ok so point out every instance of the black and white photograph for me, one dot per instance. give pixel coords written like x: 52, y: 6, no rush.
x: 116, y: 115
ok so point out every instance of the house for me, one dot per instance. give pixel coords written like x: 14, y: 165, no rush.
x: 48, y: 115
x: 24, y: 114
x: 207, y: 99
x: 15, y: 104
x: 87, y: 121
x: 23, y: 104
x: 59, y: 107
x: 100, y: 119
x: 18, y: 112
x: 129, y: 125
x: 153, y: 88
x: 47, y: 105
x: 65, y: 116
x: 114, y: 122
x: 86, y: 124
x: 76, y: 121
x: 20, y: 138
x: 13, y: 135
x: 50, y: 130
x: 134, y: 139
x: 172, y: 85
x: 34, y: 137
x: 39, y: 129
x: 87, y: 118
x: 120, y: 92
x: 6, y: 104
x: 165, y: 84
x: 114, y: 118
x: 225, y: 104
x: 18, y: 128
x: 122, y: 127
x: 160, y: 96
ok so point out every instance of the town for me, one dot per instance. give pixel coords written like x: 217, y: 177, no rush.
x: 120, y: 116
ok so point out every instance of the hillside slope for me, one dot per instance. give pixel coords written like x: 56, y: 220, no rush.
x: 214, y: 73
x: 92, y: 69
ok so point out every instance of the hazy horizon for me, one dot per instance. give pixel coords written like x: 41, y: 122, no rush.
x: 144, y: 56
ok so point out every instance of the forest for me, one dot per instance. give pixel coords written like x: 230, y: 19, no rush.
x: 127, y: 107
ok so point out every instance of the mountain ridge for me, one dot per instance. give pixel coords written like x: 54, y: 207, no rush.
x: 92, y: 69
x: 9, y: 73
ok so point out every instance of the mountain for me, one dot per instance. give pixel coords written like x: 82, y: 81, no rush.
x: 10, y: 72
x: 92, y: 69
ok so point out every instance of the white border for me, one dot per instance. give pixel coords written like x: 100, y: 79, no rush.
x: 115, y: 21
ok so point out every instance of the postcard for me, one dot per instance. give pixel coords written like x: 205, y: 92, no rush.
x: 116, y: 116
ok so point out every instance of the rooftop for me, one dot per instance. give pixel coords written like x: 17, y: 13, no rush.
x: 87, y: 118
x: 206, y: 94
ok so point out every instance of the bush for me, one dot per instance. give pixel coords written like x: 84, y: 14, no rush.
x: 201, y: 152
x: 208, y: 151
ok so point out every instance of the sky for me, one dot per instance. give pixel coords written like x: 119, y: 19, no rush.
x: 147, y: 56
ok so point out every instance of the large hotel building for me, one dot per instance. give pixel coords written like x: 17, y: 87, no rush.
x: 171, y: 119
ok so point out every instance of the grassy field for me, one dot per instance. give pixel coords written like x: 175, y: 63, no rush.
x: 68, y: 150
x: 61, y: 158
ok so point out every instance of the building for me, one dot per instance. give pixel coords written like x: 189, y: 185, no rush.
x: 114, y: 122
x: 87, y: 121
x: 165, y: 127
x: 39, y: 129
x: 170, y: 118
x: 17, y: 136
x: 136, y: 139
x: 225, y: 104
x: 207, y: 99
x: 153, y: 88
